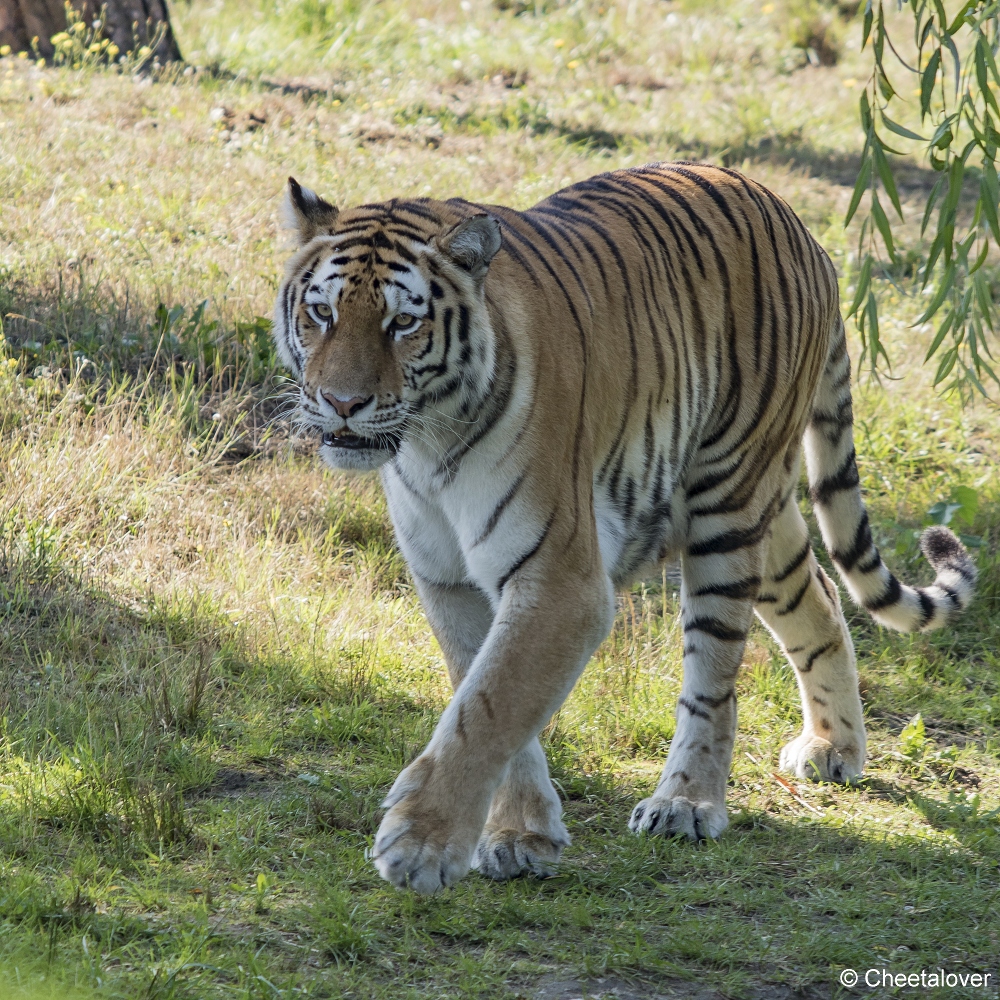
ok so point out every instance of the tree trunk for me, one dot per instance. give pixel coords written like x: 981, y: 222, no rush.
x: 22, y: 20
x: 130, y: 24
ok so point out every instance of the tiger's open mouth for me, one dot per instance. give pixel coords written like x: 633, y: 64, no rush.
x: 354, y: 442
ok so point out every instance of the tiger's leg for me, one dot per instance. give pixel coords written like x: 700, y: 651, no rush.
x: 460, y: 615
x: 717, y: 593
x: 800, y: 605
x: 524, y: 831
x: 547, y: 625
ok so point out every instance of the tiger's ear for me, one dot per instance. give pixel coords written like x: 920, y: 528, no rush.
x: 472, y: 243
x: 306, y: 213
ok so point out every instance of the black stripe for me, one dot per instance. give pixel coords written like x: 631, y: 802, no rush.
x: 952, y: 595
x: 499, y: 396
x: 731, y: 541
x: 712, y: 480
x: 797, y: 599
x: 869, y: 565
x: 716, y: 629
x: 704, y: 699
x: 966, y: 572
x: 927, y: 606
x: 418, y: 208
x: 738, y: 590
x: 890, y: 595
x: 845, y: 478
x: 491, y: 521
x: 861, y: 544
x: 527, y: 555
x: 693, y: 709
x: 815, y: 655
x: 584, y: 377
x: 713, y: 193
x: 463, y: 323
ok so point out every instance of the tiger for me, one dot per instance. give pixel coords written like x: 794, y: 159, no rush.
x: 559, y: 402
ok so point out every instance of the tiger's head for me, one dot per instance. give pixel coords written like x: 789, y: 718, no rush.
x: 382, y: 318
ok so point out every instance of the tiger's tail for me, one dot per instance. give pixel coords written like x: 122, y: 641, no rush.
x: 835, y: 492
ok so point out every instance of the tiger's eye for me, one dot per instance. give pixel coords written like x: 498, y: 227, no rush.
x: 322, y: 309
x: 403, y: 320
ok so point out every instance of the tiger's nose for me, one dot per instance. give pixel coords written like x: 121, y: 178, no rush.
x: 345, y: 407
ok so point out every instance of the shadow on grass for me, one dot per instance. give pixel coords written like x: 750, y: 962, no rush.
x: 768, y: 910
x: 962, y: 816
x: 765, y: 912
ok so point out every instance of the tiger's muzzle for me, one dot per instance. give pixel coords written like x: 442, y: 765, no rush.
x: 349, y: 441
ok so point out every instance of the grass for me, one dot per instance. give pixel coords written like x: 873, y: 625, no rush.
x: 212, y: 663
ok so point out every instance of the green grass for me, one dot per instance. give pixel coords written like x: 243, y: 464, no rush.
x: 212, y: 662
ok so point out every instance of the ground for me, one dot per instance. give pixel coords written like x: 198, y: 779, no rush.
x: 212, y: 662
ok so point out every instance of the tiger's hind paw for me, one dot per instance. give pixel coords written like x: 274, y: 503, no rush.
x: 816, y: 759
x: 506, y: 854
x: 673, y: 816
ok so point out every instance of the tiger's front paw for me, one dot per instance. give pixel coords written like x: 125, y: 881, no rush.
x: 506, y: 854
x: 426, y: 840
x: 676, y: 816
x: 413, y: 855
x: 816, y: 759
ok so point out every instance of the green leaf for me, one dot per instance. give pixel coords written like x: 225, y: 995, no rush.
x: 979, y: 134
x: 920, y: 35
x: 948, y: 360
x: 991, y: 62
x: 874, y: 342
x: 955, y: 175
x: 888, y: 181
x: 913, y: 739
x: 981, y: 73
x: 942, y: 512
x: 980, y: 260
x: 867, y: 29
x: 864, y: 177
x: 864, y: 283
x: 960, y: 16
x: 939, y: 336
x: 963, y: 246
x: 992, y: 138
x: 947, y: 280
x: 866, y: 113
x: 949, y: 41
x: 990, y: 176
x: 931, y: 200
x: 927, y: 80
x: 976, y: 337
x: 969, y: 500
x: 984, y: 342
x: 900, y: 129
x: 970, y: 376
x: 884, y: 86
x: 943, y: 135
x: 981, y: 287
x: 988, y: 200
x: 883, y: 225
x: 941, y: 242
